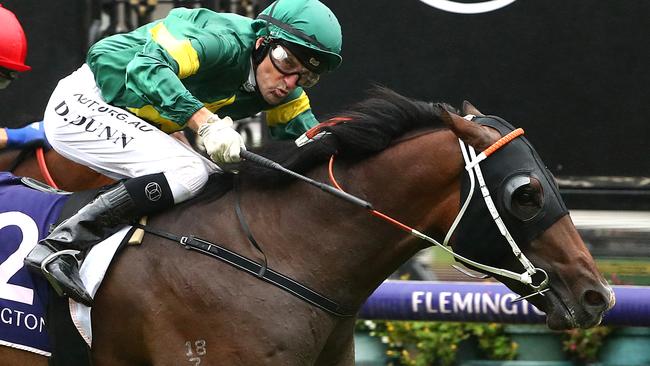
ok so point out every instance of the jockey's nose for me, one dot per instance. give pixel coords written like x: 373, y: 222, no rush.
x: 291, y: 81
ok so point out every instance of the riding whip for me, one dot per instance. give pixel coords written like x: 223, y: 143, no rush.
x: 258, y: 159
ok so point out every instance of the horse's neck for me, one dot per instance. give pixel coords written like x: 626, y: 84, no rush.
x: 341, y: 249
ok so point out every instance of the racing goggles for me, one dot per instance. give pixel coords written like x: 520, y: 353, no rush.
x: 288, y: 64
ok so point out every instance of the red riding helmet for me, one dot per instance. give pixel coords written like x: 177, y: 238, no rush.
x: 13, y: 44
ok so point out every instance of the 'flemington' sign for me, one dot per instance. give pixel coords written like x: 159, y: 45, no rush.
x: 448, y: 301
x: 485, y: 302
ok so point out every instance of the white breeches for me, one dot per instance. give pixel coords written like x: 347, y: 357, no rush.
x: 82, y: 127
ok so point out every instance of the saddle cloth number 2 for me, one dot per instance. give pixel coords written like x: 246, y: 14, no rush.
x: 14, y: 262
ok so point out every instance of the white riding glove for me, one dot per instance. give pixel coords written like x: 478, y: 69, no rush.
x: 221, y: 141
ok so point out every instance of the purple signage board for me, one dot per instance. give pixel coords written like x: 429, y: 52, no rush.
x: 485, y: 302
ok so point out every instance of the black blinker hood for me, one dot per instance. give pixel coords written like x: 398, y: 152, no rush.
x: 477, y: 236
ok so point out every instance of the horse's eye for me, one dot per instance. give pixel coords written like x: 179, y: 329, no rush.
x: 524, y: 197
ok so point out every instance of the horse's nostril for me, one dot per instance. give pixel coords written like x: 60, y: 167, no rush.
x: 594, y: 299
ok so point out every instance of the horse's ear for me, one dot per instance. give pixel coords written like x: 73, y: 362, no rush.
x: 468, y: 108
x: 479, y: 137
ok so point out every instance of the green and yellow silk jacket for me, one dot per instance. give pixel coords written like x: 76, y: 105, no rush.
x: 167, y: 70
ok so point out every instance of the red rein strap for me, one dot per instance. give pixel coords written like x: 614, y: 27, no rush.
x: 487, y: 152
x: 40, y: 158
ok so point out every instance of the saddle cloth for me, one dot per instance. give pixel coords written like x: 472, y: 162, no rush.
x: 25, y: 217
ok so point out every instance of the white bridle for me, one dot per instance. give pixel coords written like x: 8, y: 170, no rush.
x: 472, y: 165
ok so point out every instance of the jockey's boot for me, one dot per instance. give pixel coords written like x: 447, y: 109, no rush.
x: 56, y: 255
x: 61, y: 269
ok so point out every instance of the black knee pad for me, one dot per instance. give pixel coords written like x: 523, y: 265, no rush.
x: 150, y: 193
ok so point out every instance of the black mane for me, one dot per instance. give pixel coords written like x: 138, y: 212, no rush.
x: 373, y: 124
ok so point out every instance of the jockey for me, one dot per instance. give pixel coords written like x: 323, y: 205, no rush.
x: 195, y: 68
x: 13, y: 50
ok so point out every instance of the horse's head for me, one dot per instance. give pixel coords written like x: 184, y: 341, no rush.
x: 555, y: 271
x: 528, y: 202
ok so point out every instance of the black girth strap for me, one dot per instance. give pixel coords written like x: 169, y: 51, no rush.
x: 245, y: 227
x: 255, y: 269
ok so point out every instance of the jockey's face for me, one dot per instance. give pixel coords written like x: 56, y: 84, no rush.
x: 272, y: 84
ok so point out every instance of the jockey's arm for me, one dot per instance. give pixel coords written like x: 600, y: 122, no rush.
x: 23, y: 137
x: 198, y: 119
x: 164, y: 89
x: 156, y: 73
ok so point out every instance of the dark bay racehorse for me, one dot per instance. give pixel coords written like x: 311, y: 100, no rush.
x: 163, y: 305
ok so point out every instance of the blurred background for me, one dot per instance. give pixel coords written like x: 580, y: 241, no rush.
x: 573, y: 74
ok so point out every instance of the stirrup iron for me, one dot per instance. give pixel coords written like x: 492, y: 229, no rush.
x: 73, y: 253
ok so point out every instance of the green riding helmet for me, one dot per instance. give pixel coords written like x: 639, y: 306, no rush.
x: 308, y: 24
